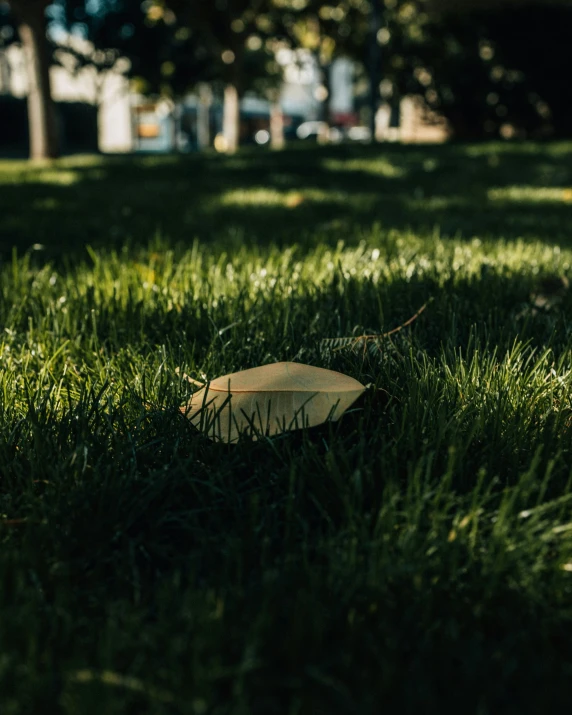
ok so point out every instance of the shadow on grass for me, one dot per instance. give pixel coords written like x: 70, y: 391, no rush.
x: 302, y: 195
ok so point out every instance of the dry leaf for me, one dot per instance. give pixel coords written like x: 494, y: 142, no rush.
x: 271, y: 399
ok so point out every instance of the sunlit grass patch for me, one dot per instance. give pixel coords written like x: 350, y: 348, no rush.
x: 377, y: 167
x: 258, y: 196
x: 57, y: 176
x: 64, y: 172
x: 534, y: 194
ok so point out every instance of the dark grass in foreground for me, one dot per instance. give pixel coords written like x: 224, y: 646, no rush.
x: 414, y: 557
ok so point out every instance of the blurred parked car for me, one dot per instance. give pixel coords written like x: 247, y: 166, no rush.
x: 313, y: 130
x: 322, y: 132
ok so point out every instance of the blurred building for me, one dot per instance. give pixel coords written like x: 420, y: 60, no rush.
x: 100, y: 103
x: 410, y: 122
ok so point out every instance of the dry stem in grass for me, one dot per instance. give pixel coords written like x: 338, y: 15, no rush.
x: 342, y: 343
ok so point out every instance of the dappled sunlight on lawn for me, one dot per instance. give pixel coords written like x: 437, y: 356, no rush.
x: 285, y: 199
x: 531, y: 194
x: 376, y: 167
x: 52, y: 173
x: 300, y: 196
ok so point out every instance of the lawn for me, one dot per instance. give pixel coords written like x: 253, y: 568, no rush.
x: 414, y: 557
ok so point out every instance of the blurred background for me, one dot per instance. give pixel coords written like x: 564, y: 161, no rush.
x: 163, y: 76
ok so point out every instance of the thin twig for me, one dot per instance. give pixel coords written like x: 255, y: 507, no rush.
x: 380, y: 336
x: 403, y: 325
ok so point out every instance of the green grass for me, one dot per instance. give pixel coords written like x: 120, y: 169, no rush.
x: 414, y: 557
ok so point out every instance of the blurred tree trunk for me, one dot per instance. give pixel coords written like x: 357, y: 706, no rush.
x: 233, y: 91
x: 231, y: 118
x: 374, y: 64
x: 203, y: 117
x: 324, y: 89
x: 276, y: 126
x: 31, y: 20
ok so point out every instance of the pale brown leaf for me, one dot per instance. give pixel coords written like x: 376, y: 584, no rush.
x: 271, y: 399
